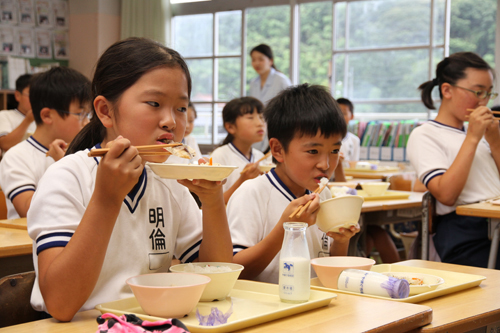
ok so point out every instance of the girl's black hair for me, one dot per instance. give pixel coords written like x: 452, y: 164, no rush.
x: 118, y: 68
x: 237, y: 108
x: 345, y: 101
x: 191, y: 105
x: 303, y: 110
x: 450, y: 70
x: 265, y: 50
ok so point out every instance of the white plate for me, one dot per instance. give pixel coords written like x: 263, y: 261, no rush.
x: 188, y: 171
x: 266, y: 168
x: 430, y: 282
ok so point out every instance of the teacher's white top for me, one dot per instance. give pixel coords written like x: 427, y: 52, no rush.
x: 276, y: 82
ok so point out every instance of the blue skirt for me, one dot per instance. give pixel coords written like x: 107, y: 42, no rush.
x: 463, y: 240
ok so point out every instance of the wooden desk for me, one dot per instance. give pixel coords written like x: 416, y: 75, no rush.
x: 347, y: 313
x: 14, y: 242
x: 490, y: 211
x: 383, y: 212
x: 20, y: 223
x: 465, y: 310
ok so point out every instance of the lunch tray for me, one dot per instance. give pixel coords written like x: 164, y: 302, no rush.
x: 378, y: 170
x: 453, y: 282
x: 253, y: 303
x: 388, y: 195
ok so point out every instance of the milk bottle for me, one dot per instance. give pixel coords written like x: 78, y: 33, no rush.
x: 295, y: 264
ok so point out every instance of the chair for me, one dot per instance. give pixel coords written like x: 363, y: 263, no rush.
x: 3, y: 206
x: 15, y: 294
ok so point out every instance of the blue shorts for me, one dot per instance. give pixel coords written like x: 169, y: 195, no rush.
x: 463, y: 240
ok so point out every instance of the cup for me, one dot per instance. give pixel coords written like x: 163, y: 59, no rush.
x: 373, y: 283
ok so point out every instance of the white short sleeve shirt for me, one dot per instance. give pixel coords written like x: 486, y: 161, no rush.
x: 255, y: 208
x: 21, y: 169
x: 432, y: 149
x: 275, y: 82
x: 230, y: 155
x: 158, y: 219
x: 350, y: 147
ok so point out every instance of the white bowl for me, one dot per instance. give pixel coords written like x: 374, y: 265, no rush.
x: 339, y: 212
x: 266, y: 168
x: 429, y: 282
x: 374, y: 189
x: 168, y: 295
x: 221, y: 283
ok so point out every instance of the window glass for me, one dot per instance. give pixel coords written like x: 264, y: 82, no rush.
x: 221, y: 131
x: 229, y: 80
x: 201, y: 75
x: 193, y: 35
x: 340, y: 8
x: 388, y: 23
x: 271, y: 26
x: 229, y: 25
x: 315, y: 42
x: 202, y: 130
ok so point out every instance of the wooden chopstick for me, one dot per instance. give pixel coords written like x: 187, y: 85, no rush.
x: 142, y: 150
x: 258, y: 161
x: 302, y: 208
x: 494, y: 112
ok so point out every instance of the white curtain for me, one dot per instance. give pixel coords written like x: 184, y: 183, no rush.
x: 144, y: 18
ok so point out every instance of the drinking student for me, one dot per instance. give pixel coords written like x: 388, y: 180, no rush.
x: 306, y: 129
x: 459, y: 165
x: 244, y: 124
x: 97, y: 221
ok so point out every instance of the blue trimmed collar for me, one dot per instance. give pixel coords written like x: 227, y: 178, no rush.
x: 280, y: 186
x: 31, y: 140
x: 239, y: 153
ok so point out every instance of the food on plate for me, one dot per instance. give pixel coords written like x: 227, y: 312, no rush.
x: 206, y: 269
x: 182, y: 151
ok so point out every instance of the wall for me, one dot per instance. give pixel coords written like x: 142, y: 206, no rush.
x: 94, y: 25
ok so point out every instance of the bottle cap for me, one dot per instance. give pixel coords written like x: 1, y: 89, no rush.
x: 397, y: 288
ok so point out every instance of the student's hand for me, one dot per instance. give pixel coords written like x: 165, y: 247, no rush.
x: 29, y: 116
x: 119, y: 170
x: 492, y: 134
x: 344, y: 234
x: 479, y: 120
x: 250, y: 171
x: 57, y: 148
x: 209, y: 192
x: 309, y: 215
x: 341, y: 157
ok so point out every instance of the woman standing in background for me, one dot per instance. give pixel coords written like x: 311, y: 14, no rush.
x: 269, y: 82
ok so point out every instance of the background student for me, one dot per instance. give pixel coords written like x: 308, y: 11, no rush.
x: 244, y: 124
x: 350, y: 144
x: 60, y: 99
x: 306, y: 129
x: 97, y: 221
x: 16, y: 125
x: 269, y: 82
x: 459, y: 166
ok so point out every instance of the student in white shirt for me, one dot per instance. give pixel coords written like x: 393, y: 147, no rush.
x: 305, y: 130
x: 60, y: 98
x: 97, y: 221
x: 244, y: 124
x: 350, y: 144
x: 18, y: 124
x: 269, y: 82
x: 458, y: 165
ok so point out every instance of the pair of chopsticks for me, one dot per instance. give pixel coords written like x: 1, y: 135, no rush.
x: 302, y: 208
x: 470, y: 110
x: 143, y: 150
x: 260, y: 160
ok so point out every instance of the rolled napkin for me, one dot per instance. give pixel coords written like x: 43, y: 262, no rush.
x: 373, y: 283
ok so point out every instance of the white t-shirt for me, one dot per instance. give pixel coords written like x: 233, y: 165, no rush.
x: 10, y: 120
x: 433, y: 147
x: 21, y: 169
x: 255, y: 208
x: 158, y: 219
x: 230, y: 155
x: 350, y: 147
x: 275, y: 83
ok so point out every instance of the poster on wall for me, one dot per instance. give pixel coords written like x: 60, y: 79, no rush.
x: 61, y: 14
x: 26, y: 41
x: 43, y: 49
x: 8, y: 12
x: 26, y: 13
x: 43, y: 9
x: 7, y: 41
x: 61, y: 41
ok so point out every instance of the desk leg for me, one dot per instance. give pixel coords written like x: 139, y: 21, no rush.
x: 357, y: 238
x: 495, y: 227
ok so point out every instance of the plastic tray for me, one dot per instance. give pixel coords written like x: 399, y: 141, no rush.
x: 388, y: 195
x: 453, y: 282
x: 253, y: 303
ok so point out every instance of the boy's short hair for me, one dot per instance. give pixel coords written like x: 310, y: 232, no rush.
x: 56, y: 89
x: 23, y: 82
x: 345, y: 101
x: 303, y: 110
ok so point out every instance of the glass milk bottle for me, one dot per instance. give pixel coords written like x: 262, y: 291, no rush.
x: 295, y: 264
